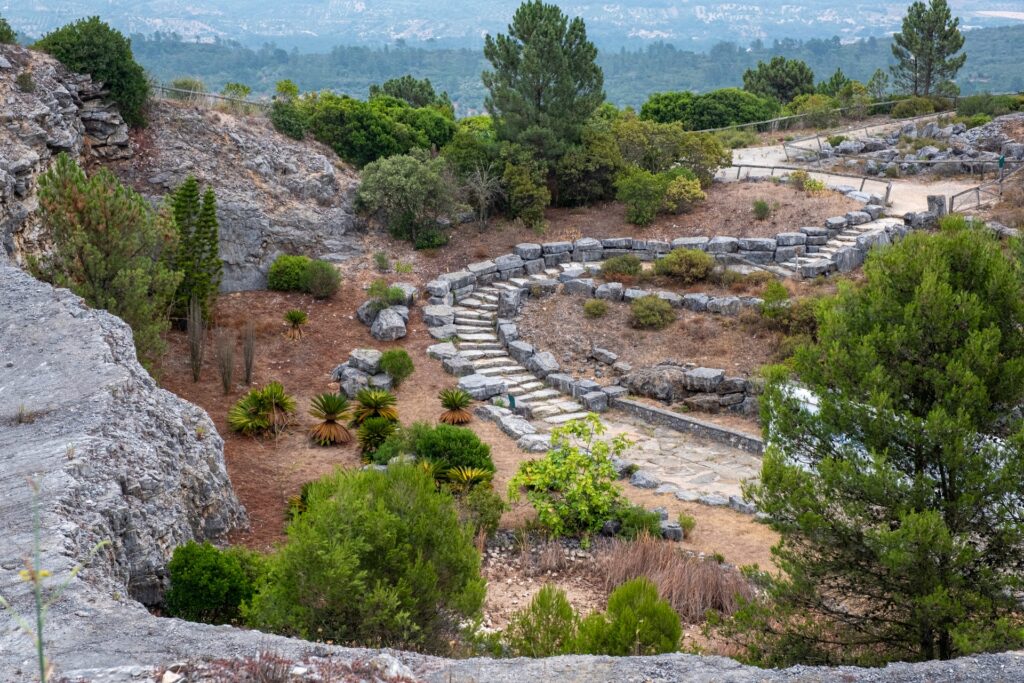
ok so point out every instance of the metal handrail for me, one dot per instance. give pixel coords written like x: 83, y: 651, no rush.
x: 993, y: 195
x: 195, y: 95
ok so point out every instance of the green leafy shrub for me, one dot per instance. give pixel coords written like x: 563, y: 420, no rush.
x: 688, y: 524
x: 288, y: 119
x: 814, y: 186
x: 573, y: 491
x: 91, y: 46
x: 652, y: 313
x: 974, y: 120
x: 287, y: 273
x: 372, y: 433
x: 736, y: 138
x: 24, y: 82
x: 389, y: 538
x: 775, y: 303
x: 268, y: 409
x: 762, y: 209
x: 380, y: 260
x: 914, y: 106
x: 7, y: 34
x: 383, y: 295
x: 642, y: 192
x: 321, y: 279
x: 526, y: 191
x: 409, y: 194
x: 627, y: 264
x: 448, y: 447
x: 636, y: 520
x: 431, y: 238
x: 595, y: 308
x: 685, y: 265
x: 547, y: 627
x: 817, y: 110
x: 637, y: 623
x: 835, y: 140
x: 682, y: 194
x: 987, y: 104
x: 798, y: 179
x: 398, y: 364
x: 483, y: 509
x: 210, y: 585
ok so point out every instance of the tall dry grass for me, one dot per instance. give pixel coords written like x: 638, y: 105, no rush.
x: 690, y: 584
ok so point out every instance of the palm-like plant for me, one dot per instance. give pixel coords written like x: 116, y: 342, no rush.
x: 455, y: 402
x: 465, y: 478
x: 374, y: 403
x: 332, y: 411
x: 261, y: 410
x: 295, y: 319
x: 373, y: 432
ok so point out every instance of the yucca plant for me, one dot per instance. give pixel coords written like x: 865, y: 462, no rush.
x: 295, y: 319
x: 465, y: 478
x: 262, y: 410
x: 372, y: 433
x: 374, y: 403
x: 332, y: 411
x: 455, y: 402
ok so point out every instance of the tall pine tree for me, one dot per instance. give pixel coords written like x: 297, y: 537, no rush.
x: 111, y: 248
x: 926, y: 47
x: 545, y: 82
x: 898, y: 490
x: 198, y: 256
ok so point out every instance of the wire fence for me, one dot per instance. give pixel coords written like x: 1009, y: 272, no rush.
x: 748, y: 171
x: 208, y: 100
x: 797, y: 145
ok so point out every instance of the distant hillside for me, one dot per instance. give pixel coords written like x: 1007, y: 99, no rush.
x: 994, y: 58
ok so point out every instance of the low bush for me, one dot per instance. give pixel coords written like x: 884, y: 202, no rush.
x: 814, y: 186
x: 287, y: 273
x: 914, y: 106
x: 775, y: 303
x: 836, y: 140
x: 450, y: 447
x: 685, y: 265
x: 974, y: 120
x: 398, y: 364
x: 687, y: 523
x: 637, y: 623
x: 682, y: 194
x: 210, y: 585
x: 797, y: 179
x: 627, y: 264
x: 372, y: 433
x: 652, y: 313
x: 692, y: 585
x: 762, y: 209
x: 430, y: 239
x: 321, y: 279
x: 482, y: 509
x: 987, y: 104
x: 268, y: 409
x: 380, y: 260
x: 24, y: 82
x: 390, y: 539
x: 636, y: 521
x: 595, y: 308
x: 736, y: 138
x: 547, y: 627
x: 642, y: 192
x: 382, y: 295
x: 332, y: 412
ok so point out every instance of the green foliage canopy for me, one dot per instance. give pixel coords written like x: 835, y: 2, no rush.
x: 925, y: 48
x: 781, y: 79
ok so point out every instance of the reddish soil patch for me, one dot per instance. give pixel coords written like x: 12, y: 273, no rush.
x: 728, y: 210
x: 557, y: 324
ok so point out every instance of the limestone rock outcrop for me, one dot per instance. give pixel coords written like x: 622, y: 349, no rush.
x: 45, y: 110
x: 274, y: 195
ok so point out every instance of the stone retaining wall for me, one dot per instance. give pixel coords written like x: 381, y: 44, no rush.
x: 682, y: 423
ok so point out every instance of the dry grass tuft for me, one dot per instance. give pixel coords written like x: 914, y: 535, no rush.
x: 690, y: 584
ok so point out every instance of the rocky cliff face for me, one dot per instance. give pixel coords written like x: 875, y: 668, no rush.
x: 275, y: 195
x: 45, y: 110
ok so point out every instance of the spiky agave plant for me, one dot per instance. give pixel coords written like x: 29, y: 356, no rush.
x: 465, y: 478
x: 455, y: 402
x: 373, y: 432
x: 262, y: 410
x: 295, y: 319
x: 280, y: 406
x: 332, y: 411
x: 374, y: 403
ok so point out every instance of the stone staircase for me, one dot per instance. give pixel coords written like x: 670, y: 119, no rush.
x: 843, y: 250
x: 476, y: 338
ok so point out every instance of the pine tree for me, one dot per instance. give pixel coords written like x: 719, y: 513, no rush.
x: 111, y: 248
x: 898, y: 496
x: 926, y: 47
x: 545, y: 82
x: 198, y: 256
x: 781, y: 78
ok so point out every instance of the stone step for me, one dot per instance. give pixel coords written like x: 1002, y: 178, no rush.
x: 492, y: 360
x: 522, y: 380
x: 499, y: 370
x: 480, y: 346
x: 542, y: 394
x: 565, y: 417
x: 476, y: 354
x: 532, y: 386
x: 473, y: 329
x: 540, y: 412
x: 478, y: 336
x: 473, y: 322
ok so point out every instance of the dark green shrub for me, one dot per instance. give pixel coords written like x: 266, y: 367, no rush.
x: 835, y: 140
x: 762, y: 209
x: 288, y: 119
x: 24, y: 82
x: 430, y: 239
x: 262, y: 410
x: 482, y: 509
x: 210, y: 585
x: 687, y: 523
x: 447, y: 447
x: 389, y: 538
x: 974, y: 120
x: 287, y: 273
x: 383, y: 295
x: 635, y: 520
x: 7, y: 34
x: 988, y: 104
x: 91, y: 46
x: 321, y: 279
x: 685, y: 265
x: 775, y: 304
x: 595, y: 308
x: 372, y: 433
x: 914, y: 106
x: 652, y: 313
x: 627, y: 264
x: 637, y: 623
x: 642, y: 192
x: 398, y: 364
x: 544, y: 629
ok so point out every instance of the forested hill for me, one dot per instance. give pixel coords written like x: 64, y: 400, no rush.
x: 994, y: 58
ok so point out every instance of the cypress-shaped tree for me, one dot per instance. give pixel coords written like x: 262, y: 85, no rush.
x: 111, y: 248
x: 897, y: 482
x: 198, y: 256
